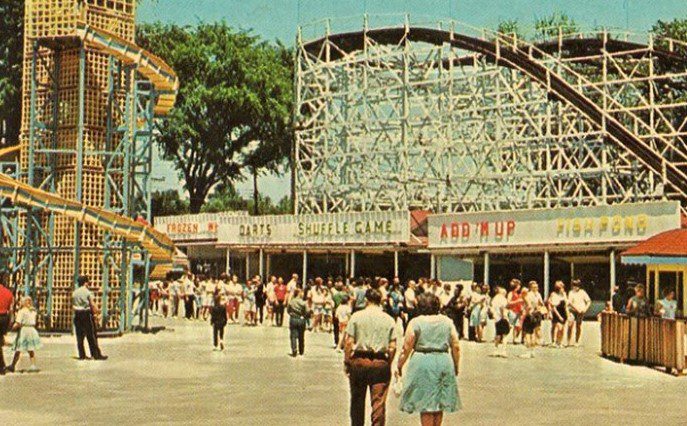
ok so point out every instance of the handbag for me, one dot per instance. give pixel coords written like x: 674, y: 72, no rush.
x: 397, y: 385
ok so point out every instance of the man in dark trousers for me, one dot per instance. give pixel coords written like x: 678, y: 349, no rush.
x: 370, y: 349
x: 260, y: 297
x: 84, y: 320
x: 280, y: 292
x: 6, y: 301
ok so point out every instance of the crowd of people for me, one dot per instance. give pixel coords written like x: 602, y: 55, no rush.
x: 517, y: 310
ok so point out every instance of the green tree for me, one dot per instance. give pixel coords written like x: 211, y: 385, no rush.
x: 224, y: 198
x: 235, y: 92
x: 550, y: 26
x: 284, y: 206
x: 509, y: 27
x: 227, y: 198
x: 675, y: 29
x: 168, y: 203
x: 11, y: 55
x: 276, y: 135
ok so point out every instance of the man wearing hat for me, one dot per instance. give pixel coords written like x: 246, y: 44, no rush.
x: 84, y: 321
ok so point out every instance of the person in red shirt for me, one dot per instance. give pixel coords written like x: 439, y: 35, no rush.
x: 516, y: 305
x: 6, y: 302
x: 142, y: 220
x: 280, y: 294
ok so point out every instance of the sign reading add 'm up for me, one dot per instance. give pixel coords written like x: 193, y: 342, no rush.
x: 598, y: 224
x: 330, y: 228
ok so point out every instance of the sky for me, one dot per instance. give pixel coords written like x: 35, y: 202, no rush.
x: 279, y: 20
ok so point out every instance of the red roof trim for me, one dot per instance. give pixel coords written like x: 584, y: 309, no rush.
x: 669, y: 243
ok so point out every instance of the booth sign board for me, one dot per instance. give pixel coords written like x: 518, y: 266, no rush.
x: 200, y: 226
x: 328, y: 228
x: 595, y: 224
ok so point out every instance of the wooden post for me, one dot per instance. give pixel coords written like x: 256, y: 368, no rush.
x: 227, y: 269
x: 395, y: 263
x: 612, y: 274
x: 547, y: 280
x: 261, y: 263
x: 247, y: 266
x: 305, y: 267
x: 486, y: 267
x: 432, y: 266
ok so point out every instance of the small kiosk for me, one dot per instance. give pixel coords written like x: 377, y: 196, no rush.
x: 665, y: 258
x: 651, y: 340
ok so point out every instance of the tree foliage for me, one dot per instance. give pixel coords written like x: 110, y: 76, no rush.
x: 227, y: 198
x: 168, y: 203
x: 550, y: 26
x: 234, y: 100
x: 675, y: 29
x: 11, y: 54
x: 509, y: 27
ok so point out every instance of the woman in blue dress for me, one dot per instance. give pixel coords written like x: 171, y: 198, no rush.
x: 432, y: 352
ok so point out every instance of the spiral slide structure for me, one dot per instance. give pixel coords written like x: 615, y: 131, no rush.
x: 81, y: 171
x: 158, y: 245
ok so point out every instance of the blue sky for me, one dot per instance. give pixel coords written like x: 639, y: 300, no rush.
x: 279, y: 19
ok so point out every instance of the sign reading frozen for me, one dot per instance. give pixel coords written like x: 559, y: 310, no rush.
x: 337, y: 228
x: 623, y: 222
x: 194, y: 226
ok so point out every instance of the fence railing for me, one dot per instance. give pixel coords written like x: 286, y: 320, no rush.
x: 651, y: 341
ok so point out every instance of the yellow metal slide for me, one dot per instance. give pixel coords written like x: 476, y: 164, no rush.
x: 158, y: 245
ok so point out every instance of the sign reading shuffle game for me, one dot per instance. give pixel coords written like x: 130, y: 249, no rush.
x: 616, y: 223
x: 367, y: 227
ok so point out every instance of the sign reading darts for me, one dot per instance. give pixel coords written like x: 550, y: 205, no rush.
x: 465, y: 230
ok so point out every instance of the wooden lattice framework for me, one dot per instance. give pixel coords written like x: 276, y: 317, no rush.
x: 447, y: 117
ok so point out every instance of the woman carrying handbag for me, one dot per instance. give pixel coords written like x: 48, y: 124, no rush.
x: 432, y: 351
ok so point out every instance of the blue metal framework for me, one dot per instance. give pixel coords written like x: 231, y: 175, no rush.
x: 27, y: 236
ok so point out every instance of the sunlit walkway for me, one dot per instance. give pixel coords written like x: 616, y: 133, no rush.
x: 175, y: 377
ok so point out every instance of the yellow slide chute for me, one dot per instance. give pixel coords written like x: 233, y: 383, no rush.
x: 158, y: 245
x: 148, y: 65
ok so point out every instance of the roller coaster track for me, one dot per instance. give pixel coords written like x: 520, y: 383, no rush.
x: 662, y: 157
x: 158, y: 245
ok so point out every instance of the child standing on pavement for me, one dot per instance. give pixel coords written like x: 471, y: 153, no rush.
x: 27, y: 337
x: 343, y: 314
x: 218, y: 319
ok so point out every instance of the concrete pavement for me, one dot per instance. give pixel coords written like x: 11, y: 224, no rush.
x: 174, y: 377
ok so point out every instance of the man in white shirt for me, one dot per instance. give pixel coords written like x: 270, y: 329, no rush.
x: 410, y: 300
x: 174, y: 291
x: 189, y: 296
x: 579, y: 303
x: 499, y: 309
x: 235, y: 296
x: 370, y: 349
x: 292, y: 284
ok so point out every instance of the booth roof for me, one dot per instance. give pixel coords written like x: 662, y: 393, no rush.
x: 670, y: 243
